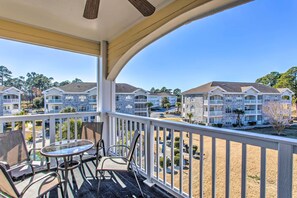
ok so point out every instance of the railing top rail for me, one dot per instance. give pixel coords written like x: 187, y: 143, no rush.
x: 46, y: 116
x: 199, y: 129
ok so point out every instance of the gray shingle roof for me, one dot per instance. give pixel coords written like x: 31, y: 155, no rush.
x: 125, y: 88
x: 231, y: 87
x: 162, y: 94
x: 78, y: 87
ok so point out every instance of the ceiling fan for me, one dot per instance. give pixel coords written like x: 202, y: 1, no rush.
x: 143, y: 6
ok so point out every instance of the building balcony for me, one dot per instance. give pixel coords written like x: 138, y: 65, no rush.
x: 141, y: 109
x: 140, y: 100
x: 92, y: 100
x: 250, y: 101
x: 286, y: 101
x: 54, y: 111
x: 213, y: 102
x: 249, y: 112
x: 177, y: 179
x: 214, y: 113
x: 11, y: 101
x: 51, y: 101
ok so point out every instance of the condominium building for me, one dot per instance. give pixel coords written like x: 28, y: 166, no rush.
x: 156, y: 98
x: 10, y: 100
x: 81, y: 96
x: 214, y: 102
x: 131, y: 100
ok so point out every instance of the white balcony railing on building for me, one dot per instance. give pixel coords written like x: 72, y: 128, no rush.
x: 286, y: 101
x: 259, y: 101
x: 54, y: 111
x: 140, y: 109
x: 249, y: 101
x: 214, y: 113
x: 11, y: 100
x: 92, y: 100
x: 215, y: 101
x: 54, y: 100
x: 140, y: 100
x: 185, y: 176
x: 249, y: 112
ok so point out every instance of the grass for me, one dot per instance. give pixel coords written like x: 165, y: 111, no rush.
x: 290, y: 132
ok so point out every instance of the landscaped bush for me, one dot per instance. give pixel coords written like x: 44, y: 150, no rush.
x: 234, y: 125
x: 176, y: 139
x: 176, y: 144
x: 201, y: 123
x: 220, y: 125
x: 176, y: 151
x: 168, y: 162
x: 252, y: 123
x: 195, y: 148
x: 176, y: 160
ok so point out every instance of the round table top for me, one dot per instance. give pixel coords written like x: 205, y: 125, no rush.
x: 67, y: 148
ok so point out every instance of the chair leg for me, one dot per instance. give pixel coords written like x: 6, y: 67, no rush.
x: 99, y: 182
x: 138, y: 183
x: 62, y: 191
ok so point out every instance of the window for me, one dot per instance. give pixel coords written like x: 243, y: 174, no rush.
x: 69, y: 98
x: 228, y: 110
x: 117, y: 98
x: 82, y: 98
x: 82, y: 108
x: 128, y: 97
x: 128, y: 107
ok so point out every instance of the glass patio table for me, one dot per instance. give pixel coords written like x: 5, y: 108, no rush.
x: 66, y: 150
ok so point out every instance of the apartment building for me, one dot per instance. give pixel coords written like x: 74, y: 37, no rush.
x: 156, y: 99
x: 81, y: 96
x: 10, y: 100
x: 131, y: 100
x: 214, y: 102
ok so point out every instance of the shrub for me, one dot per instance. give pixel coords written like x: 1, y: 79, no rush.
x: 220, y: 125
x: 176, y: 139
x: 176, y: 151
x: 176, y: 144
x: 195, y: 148
x: 168, y: 162
x: 176, y: 160
x: 234, y: 125
x: 252, y: 123
x: 201, y: 123
x: 30, y: 139
x: 214, y: 125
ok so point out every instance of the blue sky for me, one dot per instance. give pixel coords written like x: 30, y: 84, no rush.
x: 241, y: 44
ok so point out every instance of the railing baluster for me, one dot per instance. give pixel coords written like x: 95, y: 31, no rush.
x: 68, y: 129
x: 60, y: 129
x: 34, y: 138
x: 263, y: 173
x: 285, y: 170
x: 191, y: 165
x: 213, y: 167
x: 181, y: 161
x: 43, y: 132
x: 135, y: 152
x: 164, y: 156
x: 201, y: 164
x: 130, y: 125
x: 146, y: 148
x: 172, y: 157
x: 12, y: 125
x: 24, y: 128
x: 75, y: 128
x: 227, y: 169
x: 126, y: 132
x: 243, y: 171
x: 140, y: 146
x: 158, y: 152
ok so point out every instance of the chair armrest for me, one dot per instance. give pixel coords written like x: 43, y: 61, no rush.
x: 115, y: 146
x: 6, y: 165
x: 99, y: 142
x: 41, y: 178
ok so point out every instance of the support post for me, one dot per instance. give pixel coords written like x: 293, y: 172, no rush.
x: 52, y: 130
x: 150, y: 154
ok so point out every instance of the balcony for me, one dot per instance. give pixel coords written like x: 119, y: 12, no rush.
x: 249, y: 112
x: 286, y: 101
x: 214, y: 113
x: 140, y: 109
x: 214, y: 102
x: 11, y: 101
x: 250, y: 101
x: 178, y: 178
x: 54, y: 111
x: 92, y: 100
x: 140, y: 100
x: 54, y: 101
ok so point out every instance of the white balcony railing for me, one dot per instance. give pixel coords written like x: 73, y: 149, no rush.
x: 140, y: 100
x: 140, y: 109
x: 286, y: 101
x: 247, y: 112
x: 11, y: 101
x: 216, y: 101
x: 214, y: 113
x: 186, y: 176
x: 92, y: 100
x: 54, y: 100
x: 249, y: 101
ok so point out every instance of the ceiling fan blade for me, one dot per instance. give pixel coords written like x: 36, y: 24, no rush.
x: 91, y: 9
x: 143, y: 6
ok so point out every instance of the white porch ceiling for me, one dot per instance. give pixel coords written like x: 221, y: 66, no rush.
x: 65, y: 16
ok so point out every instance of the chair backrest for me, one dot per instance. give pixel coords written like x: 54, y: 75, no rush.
x: 133, y: 145
x: 6, y: 185
x: 13, y: 149
x: 92, y: 131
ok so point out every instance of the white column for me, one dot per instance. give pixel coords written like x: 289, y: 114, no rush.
x: 106, y: 91
x: 19, y: 101
x: 208, y: 107
x: 44, y: 102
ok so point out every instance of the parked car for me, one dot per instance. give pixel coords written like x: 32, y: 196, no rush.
x: 162, y: 115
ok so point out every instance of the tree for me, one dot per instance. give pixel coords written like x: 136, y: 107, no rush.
x: 68, y: 110
x: 238, y: 112
x: 77, y: 80
x: 5, y: 74
x: 190, y: 115
x: 18, y: 83
x: 177, y: 93
x: 278, y: 114
x: 163, y: 89
x: 152, y: 90
x: 149, y: 106
x: 38, y: 102
x: 164, y: 101
x: 178, y: 105
x: 167, y: 105
x: 270, y: 79
x: 66, y: 82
